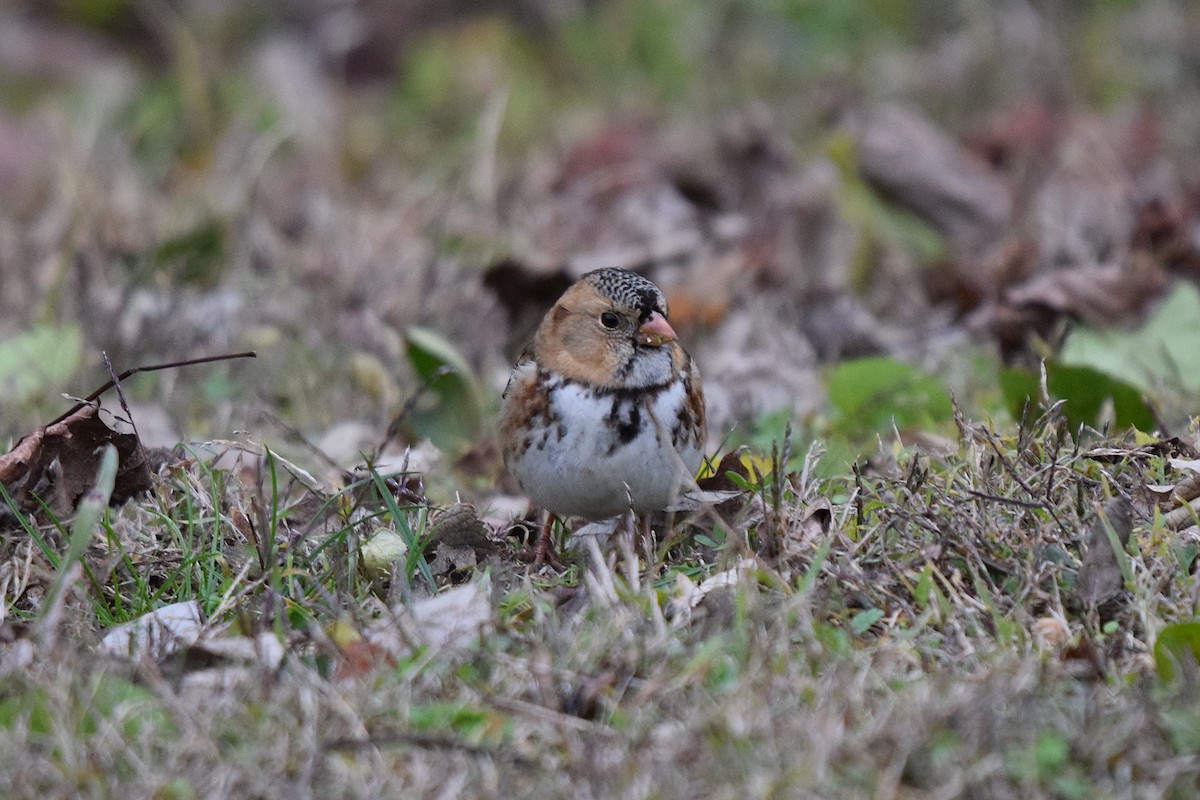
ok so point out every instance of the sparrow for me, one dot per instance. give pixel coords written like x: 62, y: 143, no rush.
x: 604, y: 412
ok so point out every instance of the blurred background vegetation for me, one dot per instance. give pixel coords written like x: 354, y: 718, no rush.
x: 316, y: 179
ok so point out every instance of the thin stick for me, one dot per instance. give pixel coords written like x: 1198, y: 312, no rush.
x: 152, y: 368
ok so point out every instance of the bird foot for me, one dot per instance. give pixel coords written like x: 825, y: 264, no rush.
x: 543, y: 550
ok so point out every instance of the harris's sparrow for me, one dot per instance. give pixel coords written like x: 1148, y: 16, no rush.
x: 604, y: 412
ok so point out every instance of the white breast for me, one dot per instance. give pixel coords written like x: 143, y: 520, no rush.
x: 610, y: 453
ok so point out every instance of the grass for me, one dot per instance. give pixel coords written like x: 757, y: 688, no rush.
x: 926, y: 642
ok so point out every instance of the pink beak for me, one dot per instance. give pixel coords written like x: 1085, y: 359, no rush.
x: 655, y: 331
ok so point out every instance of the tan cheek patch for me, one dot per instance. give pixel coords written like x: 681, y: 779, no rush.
x: 575, y: 347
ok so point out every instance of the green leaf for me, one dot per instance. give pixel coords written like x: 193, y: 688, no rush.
x: 874, y: 393
x: 814, y: 569
x: 832, y: 637
x: 1177, y: 647
x: 1050, y: 751
x: 98, y: 14
x: 39, y: 361
x: 1118, y: 550
x: 116, y: 700
x: 473, y: 724
x: 196, y: 256
x: 861, y: 622
x: 1166, y: 349
x: 1085, y: 390
x: 28, y: 710
x: 1004, y: 628
x: 1185, y: 555
x: 924, y: 586
x: 456, y: 414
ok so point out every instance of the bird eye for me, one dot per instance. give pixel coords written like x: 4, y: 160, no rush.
x: 610, y: 320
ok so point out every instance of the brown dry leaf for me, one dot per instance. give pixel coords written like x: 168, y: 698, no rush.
x: 923, y: 169
x: 223, y: 663
x: 1165, y: 227
x: 813, y: 527
x: 689, y: 596
x: 1100, y: 578
x: 263, y: 650
x: 1093, y: 255
x: 1018, y: 137
x: 612, y: 205
x: 359, y: 657
x: 157, y: 634
x: 450, y: 619
x: 58, y: 463
x: 757, y: 363
x: 719, y: 481
x: 773, y: 222
x: 1084, y: 660
x: 1100, y: 295
x: 1182, y: 495
x: 620, y: 198
x: 1082, y: 213
x: 455, y: 617
x: 459, y: 539
x: 1051, y: 631
x: 460, y: 526
x: 445, y: 559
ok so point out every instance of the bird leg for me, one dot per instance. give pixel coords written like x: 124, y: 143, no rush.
x: 543, y: 550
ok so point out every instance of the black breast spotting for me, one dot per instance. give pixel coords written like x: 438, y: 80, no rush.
x: 626, y: 425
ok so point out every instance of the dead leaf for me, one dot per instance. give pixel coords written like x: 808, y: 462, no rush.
x: 1190, y: 464
x: 1100, y: 580
x: 58, y: 463
x: 694, y: 500
x: 919, y: 166
x: 1051, y: 631
x: 757, y: 363
x: 450, y: 619
x: 446, y: 559
x: 157, y: 634
x: 460, y: 526
x: 222, y: 663
x: 619, y: 198
x: 1099, y: 294
x: 1164, y: 226
x: 813, y: 527
x: 1082, y: 212
x: 1084, y: 661
x: 359, y: 657
x: 459, y: 539
x: 1018, y: 137
x: 456, y: 617
x: 720, y: 481
x: 688, y: 595
x: 263, y: 650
